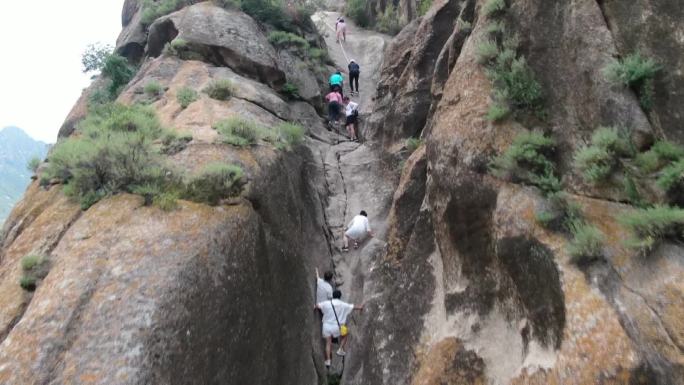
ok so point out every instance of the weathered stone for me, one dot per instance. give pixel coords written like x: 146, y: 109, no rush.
x: 225, y: 37
x: 654, y: 29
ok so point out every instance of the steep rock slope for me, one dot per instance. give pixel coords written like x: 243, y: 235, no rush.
x: 197, y: 295
x: 472, y: 289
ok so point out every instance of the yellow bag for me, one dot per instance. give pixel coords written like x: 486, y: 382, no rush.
x: 343, y: 330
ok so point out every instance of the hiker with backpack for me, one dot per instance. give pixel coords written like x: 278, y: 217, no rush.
x: 352, y: 115
x: 357, y: 230
x: 334, y: 99
x: 337, y: 82
x: 335, y: 313
x: 354, y: 72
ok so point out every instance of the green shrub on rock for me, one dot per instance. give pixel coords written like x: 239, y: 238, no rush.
x: 33, y: 164
x: 154, y: 9
x: 119, y: 73
x: 284, y: 39
x: 34, y: 268
x: 486, y: 51
x: 389, y: 22
x: 636, y: 72
x: 290, y: 134
x: 412, y: 144
x: 113, y: 153
x: 586, y: 243
x: 356, y: 9
x: 651, y: 225
x: 221, y: 89
x: 186, y: 96
x: 494, y: 8
x: 238, y: 131
x: 216, y: 181
x: 601, y: 158
x: 153, y: 89
x: 527, y: 160
x: 659, y: 155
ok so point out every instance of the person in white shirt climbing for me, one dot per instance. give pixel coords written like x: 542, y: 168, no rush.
x: 324, y: 289
x: 335, y: 313
x: 352, y: 114
x: 357, y: 230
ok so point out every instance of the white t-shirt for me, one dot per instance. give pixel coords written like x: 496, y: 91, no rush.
x: 343, y: 310
x: 351, y: 106
x: 358, y: 227
x: 323, y: 291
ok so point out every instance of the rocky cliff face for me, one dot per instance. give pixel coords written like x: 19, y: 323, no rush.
x: 472, y: 289
x: 462, y: 282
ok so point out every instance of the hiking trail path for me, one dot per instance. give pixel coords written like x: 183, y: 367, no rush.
x: 355, y: 177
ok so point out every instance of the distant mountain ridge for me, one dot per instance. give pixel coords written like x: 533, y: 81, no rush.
x: 16, y: 149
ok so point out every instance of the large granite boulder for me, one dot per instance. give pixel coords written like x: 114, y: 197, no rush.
x: 225, y: 37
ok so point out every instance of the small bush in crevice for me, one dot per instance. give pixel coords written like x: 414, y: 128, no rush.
x: 154, y: 9
x: 356, y: 9
x: 516, y: 84
x: 221, y: 89
x: 33, y: 164
x: 238, y: 131
x: 495, y: 29
x: 659, y: 155
x: 174, y: 143
x: 119, y: 72
x: 412, y: 144
x: 35, y: 268
x: 494, y: 8
x: 282, y: 39
x: 215, y: 182
x: 424, y: 6
x: 652, y: 225
x: 671, y: 180
x: 601, y: 158
x: 527, y: 160
x: 586, y: 243
x: 289, y: 135
x: 636, y: 72
x: 186, y: 96
x: 153, y: 89
x: 389, y: 22
x: 487, y: 51
x: 497, y: 112
x: 290, y: 91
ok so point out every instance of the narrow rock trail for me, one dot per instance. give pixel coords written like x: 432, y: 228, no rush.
x: 355, y: 177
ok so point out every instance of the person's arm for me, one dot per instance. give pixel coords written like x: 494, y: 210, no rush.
x: 358, y: 307
x: 318, y: 276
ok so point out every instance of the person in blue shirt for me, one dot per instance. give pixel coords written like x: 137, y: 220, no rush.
x: 337, y: 83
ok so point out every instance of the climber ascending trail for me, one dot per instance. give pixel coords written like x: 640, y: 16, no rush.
x: 357, y: 230
x: 337, y: 82
x: 354, y: 72
x: 335, y: 313
x: 341, y: 30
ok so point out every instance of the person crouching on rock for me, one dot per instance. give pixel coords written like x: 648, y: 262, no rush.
x: 357, y: 230
x: 335, y: 313
x: 352, y: 115
x: 334, y: 100
x: 337, y: 82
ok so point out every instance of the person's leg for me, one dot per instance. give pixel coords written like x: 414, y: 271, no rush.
x: 331, y: 113
x: 345, y: 245
x: 356, y: 79
x: 343, y: 342
x: 353, y: 131
x: 328, y: 349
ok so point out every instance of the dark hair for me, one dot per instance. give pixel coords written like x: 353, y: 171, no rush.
x: 338, y: 72
x: 364, y: 213
x: 328, y: 276
x: 346, y: 98
x: 337, y: 294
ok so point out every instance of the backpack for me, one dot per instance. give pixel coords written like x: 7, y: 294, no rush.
x: 354, y: 68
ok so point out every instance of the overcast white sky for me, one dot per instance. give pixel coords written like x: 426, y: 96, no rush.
x: 40, y: 65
